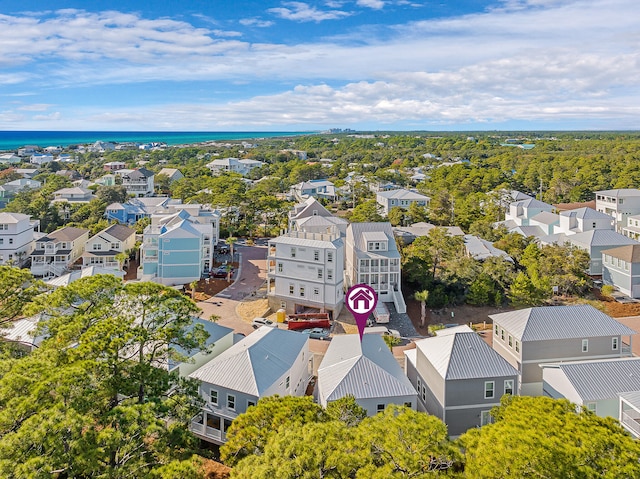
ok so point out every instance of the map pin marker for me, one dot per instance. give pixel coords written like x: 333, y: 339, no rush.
x: 361, y: 300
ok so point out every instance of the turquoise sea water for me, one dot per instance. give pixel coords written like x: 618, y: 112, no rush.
x: 12, y: 140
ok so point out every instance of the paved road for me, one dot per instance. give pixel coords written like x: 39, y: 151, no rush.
x: 250, y: 276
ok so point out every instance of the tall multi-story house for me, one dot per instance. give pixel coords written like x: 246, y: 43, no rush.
x: 103, y: 247
x: 16, y: 237
x: 269, y: 361
x: 527, y: 338
x: 459, y: 378
x: 365, y: 370
x: 620, y: 204
x: 138, y: 183
x: 372, y: 258
x: 233, y: 165
x: 56, y: 252
x: 114, y: 166
x: 400, y: 198
x: 305, y: 271
x: 176, y: 249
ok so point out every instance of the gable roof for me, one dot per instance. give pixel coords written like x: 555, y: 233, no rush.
x: 361, y: 230
x: 601, y: 379
x: 547, y: 323
x: 587, y: 214
x: 402, y: 194
x: 364, y: 369
x: 255, y: 363
x: 620, y: 192
x: 120, y: 232
x: 68, y: 233
x: 6, y: 217
x: 464, y: 355
x: 533, y: 203
x: 595, y: 238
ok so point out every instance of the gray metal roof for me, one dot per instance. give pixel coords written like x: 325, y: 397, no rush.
x: 559, y: 322
x: 546, y: 217
x: 603, y: 379
x: 255, y: 363
x: 402, y: 194
x: 632, y: 397
x: 464, y: 355
x: 358, y: 230
x: 364, y: 369
x: 594, y: 238
x: 586, y: 213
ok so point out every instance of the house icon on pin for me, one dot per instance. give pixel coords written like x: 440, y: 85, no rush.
x: 361, y: 301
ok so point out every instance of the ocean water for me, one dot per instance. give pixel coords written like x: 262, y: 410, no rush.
x: 12, y: 140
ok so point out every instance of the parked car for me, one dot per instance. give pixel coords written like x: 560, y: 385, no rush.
x: 220, y: 272
x: 316, y: 333
x: 257, y: 322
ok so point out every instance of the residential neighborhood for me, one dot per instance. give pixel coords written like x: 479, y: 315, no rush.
x: 518, y: 301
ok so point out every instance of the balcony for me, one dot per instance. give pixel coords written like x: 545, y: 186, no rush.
x: 208, y: 432
x: 630, y: 419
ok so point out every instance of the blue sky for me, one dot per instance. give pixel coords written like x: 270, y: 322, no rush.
x: 213, y: 65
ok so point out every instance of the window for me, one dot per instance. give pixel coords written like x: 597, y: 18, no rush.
x: 419, y: 385
x: 1, y: 241
x: 517, y: 346
x: 316, y: 255
x: 293, y: 252
x: 291, y: 289
x: 231, y: 402
x: 496, y: 329
x: 302, y: 291
x: 287, y: 382
x: 424, y: 392
x: 614, y: 344
x: 502, y: 334
x: 4, y: 227
x: 97, y: 246
x: 250, y: 403
x: 10, y: 240
x: 213, y: 397
x: 489, y: 389
x: 485, y: 418
x: 330, y: 257
x: 508, y: 386
x: 510, y: 341
x: 213, y: 422
x: 329, y: 274
x: 407, y: 404
x: 116, y: 246
x: 316, y: 291
x: 585, y: 345
x: 279, y: 267
x: 319, y: 273
x: 380, y: 408
x: 591, y: 406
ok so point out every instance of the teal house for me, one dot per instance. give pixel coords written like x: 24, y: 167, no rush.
x: 176, y: 249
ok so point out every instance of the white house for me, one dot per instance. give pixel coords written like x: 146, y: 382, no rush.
x: 75, y: 194
x: 138, y: 183
x: 16, y: 238
x: 305, y: 269
x: 103, y: 247
x: 581, y: 220
x: 366, y: 370
x: 233, y: 165
x: 400, y: 198
x: 269, y: 361
x: 520, y: 212
x: 314, y: 188
x: 56, y: 252
x: 310, y: 209
x: 40, y: 159
x: 619, y: 204
x: 172, y: 173
x: 10, y: 158
x: 372, y: 258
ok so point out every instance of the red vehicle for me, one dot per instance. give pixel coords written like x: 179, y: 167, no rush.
x: 308, y: 321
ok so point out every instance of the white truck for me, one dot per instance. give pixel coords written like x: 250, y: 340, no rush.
x: 381, y: 313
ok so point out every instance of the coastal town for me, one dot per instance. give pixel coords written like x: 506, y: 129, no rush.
x: 497, y: 277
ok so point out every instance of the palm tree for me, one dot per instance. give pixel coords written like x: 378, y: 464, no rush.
x: 121, y: 258
x: 422, y: 296
x: 193, y: 285
x: 231, y: 241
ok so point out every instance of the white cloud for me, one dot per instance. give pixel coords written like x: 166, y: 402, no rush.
x: 255, y: 22
x: 302, y: 12
x: 536, y: 60
x: 374, y: 4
